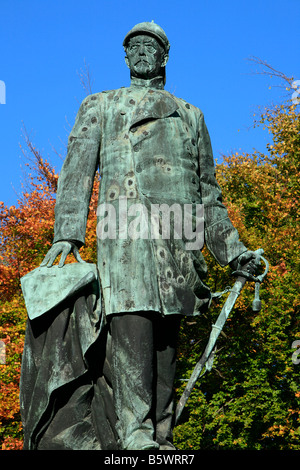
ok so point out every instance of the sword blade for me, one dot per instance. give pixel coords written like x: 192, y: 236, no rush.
x: 216, y: 330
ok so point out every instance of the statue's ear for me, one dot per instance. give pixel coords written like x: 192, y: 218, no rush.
x: 165, y: 60
x: 127, y: 61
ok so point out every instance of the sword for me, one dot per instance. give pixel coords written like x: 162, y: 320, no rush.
x: 208, y: 355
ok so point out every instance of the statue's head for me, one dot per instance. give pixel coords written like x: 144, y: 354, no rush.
x: 147, y: 50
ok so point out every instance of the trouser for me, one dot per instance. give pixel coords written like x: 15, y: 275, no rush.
x: 143, y: 348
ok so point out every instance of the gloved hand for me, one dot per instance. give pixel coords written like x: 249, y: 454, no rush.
x: 247, y: 261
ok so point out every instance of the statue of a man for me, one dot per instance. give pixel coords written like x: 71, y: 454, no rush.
x: 151, y: 149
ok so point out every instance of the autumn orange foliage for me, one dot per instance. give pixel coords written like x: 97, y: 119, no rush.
x: 26, y: 235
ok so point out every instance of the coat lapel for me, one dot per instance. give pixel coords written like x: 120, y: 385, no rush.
x: 154, y: 105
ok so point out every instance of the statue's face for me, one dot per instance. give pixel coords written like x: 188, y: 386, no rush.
x: 145, y: 56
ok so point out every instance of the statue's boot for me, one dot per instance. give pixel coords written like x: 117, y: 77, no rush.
x: 165, y: 346
x: 142, y: 377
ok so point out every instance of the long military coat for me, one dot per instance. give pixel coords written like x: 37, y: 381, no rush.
x: 151, y: 148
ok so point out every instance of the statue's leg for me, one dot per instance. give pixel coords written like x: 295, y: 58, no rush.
x: 132, y: 379
x: 166, y: 334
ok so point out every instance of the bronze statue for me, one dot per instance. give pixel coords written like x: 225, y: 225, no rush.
x: 153, y: 151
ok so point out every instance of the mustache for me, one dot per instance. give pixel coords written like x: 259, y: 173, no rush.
x: 141, y: 60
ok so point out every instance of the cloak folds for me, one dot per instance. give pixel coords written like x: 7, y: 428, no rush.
x: 65, y: 387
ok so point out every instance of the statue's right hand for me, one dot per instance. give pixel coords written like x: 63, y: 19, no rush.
x: 63, y: 248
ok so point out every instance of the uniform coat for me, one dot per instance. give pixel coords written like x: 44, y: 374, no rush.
x: 151, y: 148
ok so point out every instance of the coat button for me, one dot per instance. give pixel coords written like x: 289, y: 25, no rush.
x: 139, y: 168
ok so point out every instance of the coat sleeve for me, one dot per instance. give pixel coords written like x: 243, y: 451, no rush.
x: 220, y: 236
x: 76, y: 179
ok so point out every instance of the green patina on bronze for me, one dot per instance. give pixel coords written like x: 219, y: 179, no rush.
x: 150, y: 148
x: 161, y: 144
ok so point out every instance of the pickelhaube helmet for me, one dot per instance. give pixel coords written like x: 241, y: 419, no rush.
x: 150, y: 28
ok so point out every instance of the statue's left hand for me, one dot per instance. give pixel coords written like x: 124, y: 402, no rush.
x: 63, y: 248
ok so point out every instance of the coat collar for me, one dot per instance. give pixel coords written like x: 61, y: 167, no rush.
x: 156, y: 83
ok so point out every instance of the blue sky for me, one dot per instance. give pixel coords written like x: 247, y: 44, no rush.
x: 44, y: 45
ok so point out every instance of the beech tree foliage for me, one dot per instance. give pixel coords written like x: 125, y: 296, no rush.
x: 251, y: 397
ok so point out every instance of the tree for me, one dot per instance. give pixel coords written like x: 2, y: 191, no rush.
x: 26, y: 233
x: 251, y: 397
